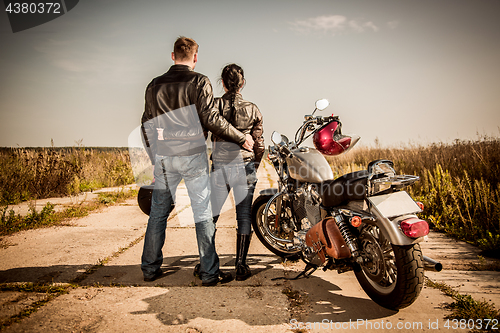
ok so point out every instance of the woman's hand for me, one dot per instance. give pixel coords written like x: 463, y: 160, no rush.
x: 248, y: 145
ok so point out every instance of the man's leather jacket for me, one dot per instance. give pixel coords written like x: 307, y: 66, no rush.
x: 247, y: 118
x: 179, y: 106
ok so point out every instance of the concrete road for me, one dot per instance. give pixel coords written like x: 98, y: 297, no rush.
x: 114, y: 298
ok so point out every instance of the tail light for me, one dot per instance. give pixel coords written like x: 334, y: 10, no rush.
x: 415, y: 227
x: 420, y: 205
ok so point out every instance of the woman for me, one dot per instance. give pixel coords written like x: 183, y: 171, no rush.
x: 235, y: 167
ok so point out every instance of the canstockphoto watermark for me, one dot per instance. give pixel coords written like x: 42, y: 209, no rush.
x: 359, y: 324
x: 433, y: 325
x: 26, y: 14
x: 354, y: 186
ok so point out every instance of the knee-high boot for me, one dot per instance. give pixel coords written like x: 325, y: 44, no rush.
x: 242, y: 244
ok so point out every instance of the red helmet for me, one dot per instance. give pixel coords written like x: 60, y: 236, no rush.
x: 329, y: 139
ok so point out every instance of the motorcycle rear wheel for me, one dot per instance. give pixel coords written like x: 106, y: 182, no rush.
x: 279, y: 248
x: 394, y: 275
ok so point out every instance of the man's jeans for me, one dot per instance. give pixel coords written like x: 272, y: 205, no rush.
x: 242, y: 179
x: 169, y: 171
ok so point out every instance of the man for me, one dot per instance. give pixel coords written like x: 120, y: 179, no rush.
x: 178, y: 107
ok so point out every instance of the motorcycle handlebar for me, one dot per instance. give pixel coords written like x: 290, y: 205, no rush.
x: 287, y: 151
x: 283, y: 150
x: 309, y: 125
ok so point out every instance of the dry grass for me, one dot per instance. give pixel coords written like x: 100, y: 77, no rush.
x: 459, y: 184
x: 37, y: 173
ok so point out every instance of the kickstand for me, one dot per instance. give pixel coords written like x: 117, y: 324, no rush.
x: 307, y: 272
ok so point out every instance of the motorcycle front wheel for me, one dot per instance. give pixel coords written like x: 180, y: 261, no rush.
x: 392, y: 275
x: 274, y: 226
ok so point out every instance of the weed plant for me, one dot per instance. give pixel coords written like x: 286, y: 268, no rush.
x: 459, y: 184
x: 465, y: 308
x: 50, y: 291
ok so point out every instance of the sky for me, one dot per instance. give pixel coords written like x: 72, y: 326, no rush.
x: 396, y: 71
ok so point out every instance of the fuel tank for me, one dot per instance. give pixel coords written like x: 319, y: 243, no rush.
x: 308, y: 165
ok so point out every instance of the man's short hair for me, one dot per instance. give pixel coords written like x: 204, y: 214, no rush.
x: 185, y: 48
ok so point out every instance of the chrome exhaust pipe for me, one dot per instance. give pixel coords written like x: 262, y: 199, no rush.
x: 436, y: 265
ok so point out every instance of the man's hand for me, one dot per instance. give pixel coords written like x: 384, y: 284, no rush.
x: 248, y: 145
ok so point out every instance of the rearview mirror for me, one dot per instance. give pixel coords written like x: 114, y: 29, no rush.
x: 276, y: 137
x: 322, y: 104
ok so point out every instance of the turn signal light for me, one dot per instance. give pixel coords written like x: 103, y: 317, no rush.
x: 421, y: 205
x: 356, y: 221
x: 271, y: 157
x: 415, y: 227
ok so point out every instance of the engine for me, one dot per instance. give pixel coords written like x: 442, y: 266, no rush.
x: 306, y: 206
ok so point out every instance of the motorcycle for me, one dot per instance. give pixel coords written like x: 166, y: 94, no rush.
x: 362, y: 221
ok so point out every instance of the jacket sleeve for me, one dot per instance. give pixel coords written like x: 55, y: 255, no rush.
x: 258, y: 138
x: 148, y: 129
x: 210, y: 117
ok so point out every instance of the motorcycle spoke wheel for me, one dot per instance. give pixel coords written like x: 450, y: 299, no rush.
x: 379, y: 260
x: 392, y: 275
x: 282, y: 249
x: 274, y: 225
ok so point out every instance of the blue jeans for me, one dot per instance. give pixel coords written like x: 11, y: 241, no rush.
x: 169, y: 171
x: 242, y: 179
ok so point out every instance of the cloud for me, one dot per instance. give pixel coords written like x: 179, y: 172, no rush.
x: 393, y: 24
x: 332, y: 24
x: 69, y: 65
x: 76, y: 55
x: 84, y: 57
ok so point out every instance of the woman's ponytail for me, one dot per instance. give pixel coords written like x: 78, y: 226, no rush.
x: 233, y: 78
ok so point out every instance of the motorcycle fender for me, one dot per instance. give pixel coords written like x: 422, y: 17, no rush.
x: 387, y: 208
x: 269, y: 191
x: 391, y: 230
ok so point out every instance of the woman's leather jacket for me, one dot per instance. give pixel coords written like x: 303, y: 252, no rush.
x: 245, y: 117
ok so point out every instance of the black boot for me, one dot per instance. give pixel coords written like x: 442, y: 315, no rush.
x: 242, y: 244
